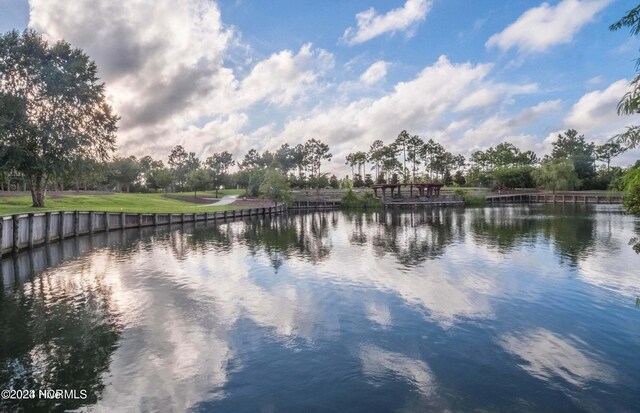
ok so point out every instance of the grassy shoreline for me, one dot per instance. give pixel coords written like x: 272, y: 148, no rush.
x: 132, y: 203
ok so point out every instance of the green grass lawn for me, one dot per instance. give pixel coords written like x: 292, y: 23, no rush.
x: 135, y: 203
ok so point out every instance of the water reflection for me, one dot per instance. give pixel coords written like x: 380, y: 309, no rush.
x: 277, y: 313
x: 416, y: 237
x: 570, y: 228
x: 58, y: 331
x: 549, y: 357
x: 378, y: 365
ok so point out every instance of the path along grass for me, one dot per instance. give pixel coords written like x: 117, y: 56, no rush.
x: 134, y: 203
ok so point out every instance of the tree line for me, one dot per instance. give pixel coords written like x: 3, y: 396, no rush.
x: 301, y: 165
x: 574, y: 163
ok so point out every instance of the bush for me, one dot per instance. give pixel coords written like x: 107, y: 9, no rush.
x: 357, y: 181
x: 474, y: 200
x: 631, y: 200
x: 631, y: 184
x: 346, y: 183
x: 471, y: 199
x: 367, y: 180
x: 352, y: 200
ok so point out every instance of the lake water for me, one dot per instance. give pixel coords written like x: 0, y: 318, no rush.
x: 526, y: 308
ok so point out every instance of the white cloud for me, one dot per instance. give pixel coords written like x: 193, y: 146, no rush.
x: 479, y: 98
x: 370, y: 24
x: 165, y: 78
x: 594, y: 81
x: 374, y: 73
x: 545, y: 26
x: 597, y: 110
x: 284, y: 76
x: 485, y: 97
x: 499, y: 128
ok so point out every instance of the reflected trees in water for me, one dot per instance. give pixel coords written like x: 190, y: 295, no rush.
x: 54, y: 341
x: 570, y: 229
x: 416, y: 236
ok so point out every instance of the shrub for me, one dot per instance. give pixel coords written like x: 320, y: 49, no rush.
x: 352, y: 200
x: 471, y: 199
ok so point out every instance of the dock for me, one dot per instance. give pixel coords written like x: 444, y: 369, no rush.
x: 570, y: 197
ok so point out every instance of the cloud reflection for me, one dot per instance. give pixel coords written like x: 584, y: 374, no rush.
x: 379, y: 364
x: 548, y: 356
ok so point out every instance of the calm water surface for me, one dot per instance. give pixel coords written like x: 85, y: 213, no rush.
x: 528, y: 308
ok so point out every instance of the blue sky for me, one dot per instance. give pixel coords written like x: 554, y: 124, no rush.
x: 231, y: 75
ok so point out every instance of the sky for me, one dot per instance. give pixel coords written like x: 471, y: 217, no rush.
x: 239, y: 74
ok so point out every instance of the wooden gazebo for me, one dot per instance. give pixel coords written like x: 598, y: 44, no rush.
x: 424, y: 190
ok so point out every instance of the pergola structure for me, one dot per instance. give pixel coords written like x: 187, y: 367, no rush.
x: 428, y: 190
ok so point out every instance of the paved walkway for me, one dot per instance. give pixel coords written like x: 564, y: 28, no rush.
x: 226, y: 200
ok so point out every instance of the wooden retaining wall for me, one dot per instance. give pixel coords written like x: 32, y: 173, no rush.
x: 315, y: 204
x: 22, y: 231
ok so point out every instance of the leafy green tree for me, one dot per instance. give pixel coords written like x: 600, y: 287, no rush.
x: 414, y: 144
x: 631, y: 200
x: 158, y: 178
x: 198, y: 180
x: 630, y: 183
x: 275, y: 187
x: 375, y: 155
x: 181, y: 163
x: 300, y: 159
x: 316, y: 152
x: 285, y: 157
x: 351, y: 161
x: 401, y: 144
x: 607, y: 151
x: 255, y: 178
x: 251, y: 159
x: 53, y: 110
x: 267, y: 159
x: 630, y: 102
x: 216, y: 164
x: 572, y: 146
x: 447, y: 179
x: 477, y: 176
x: 123, y: 172
x: 480, y: 159
x: 503, y: 155
x: 85, y: 174
x: 333, y: 182
x: 507, y: 154
x: 147, y: 163
x: 459, y: 178
x: 360, y: 159
x: 514, y: 177
x: 556, y: 175
x: 432, y: 154
x: 389, y: 163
